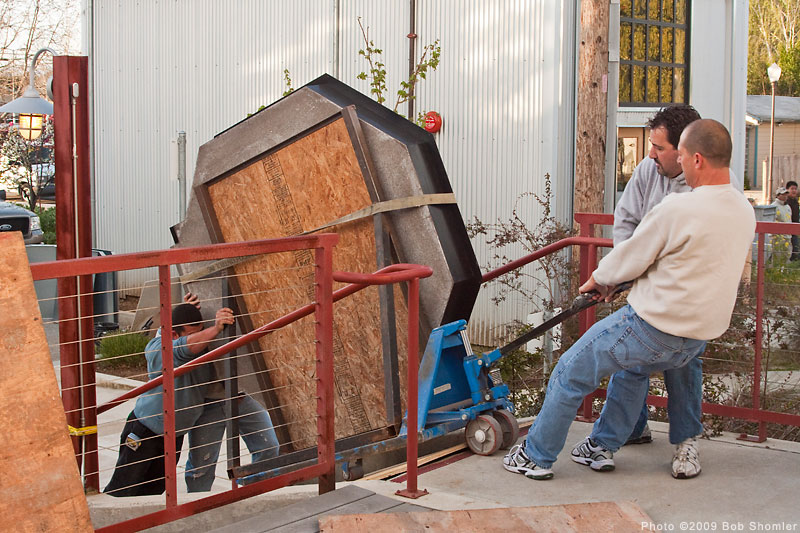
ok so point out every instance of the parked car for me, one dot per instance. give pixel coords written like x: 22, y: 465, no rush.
x: 17, y: 218
x: 43, y: 181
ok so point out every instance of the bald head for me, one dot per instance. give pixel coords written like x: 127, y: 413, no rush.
x: 710, y: 139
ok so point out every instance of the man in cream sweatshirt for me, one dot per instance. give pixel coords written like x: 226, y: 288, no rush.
x: 685, y: 257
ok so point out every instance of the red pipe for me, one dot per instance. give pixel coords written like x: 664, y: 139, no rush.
x: 380, y: 277
x: 110, y: 263
x: 550, y: 248
x: 411, y: 490
x: 168, y: 377
x: 762, y: 429
x: 326, y: 439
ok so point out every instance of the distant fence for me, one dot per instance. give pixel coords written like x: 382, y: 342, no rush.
x: 784, y: 168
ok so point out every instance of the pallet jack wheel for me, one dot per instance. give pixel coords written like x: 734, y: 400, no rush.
x: 353, y: 470
x: 484, y: 435
x: 509, y: 426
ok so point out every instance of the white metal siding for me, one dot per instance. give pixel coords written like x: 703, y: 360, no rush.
x: 504, y: 91
x: 200, y: 66
x: 505, y: 87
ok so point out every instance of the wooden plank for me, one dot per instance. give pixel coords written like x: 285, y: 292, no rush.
x: 601, y: 516
x: 402, y: 467
x: 41, y: 488
x: 312, y: 179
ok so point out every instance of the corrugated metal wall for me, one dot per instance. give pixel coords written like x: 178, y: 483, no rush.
x: 504, y: 88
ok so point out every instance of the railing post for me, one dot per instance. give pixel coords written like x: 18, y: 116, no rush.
x: 758, y: 347
x: 411, y: 490
x: 323, y: 310
x: 588, y: 262
x: 168, y: 386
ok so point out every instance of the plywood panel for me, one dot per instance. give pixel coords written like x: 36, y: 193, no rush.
x: 311, y: 181
x: 41, y: 487
x: 602, y: 516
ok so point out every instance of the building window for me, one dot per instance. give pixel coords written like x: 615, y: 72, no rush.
x: 654, y: 52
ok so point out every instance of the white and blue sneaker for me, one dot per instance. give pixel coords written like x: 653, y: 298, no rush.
x: 588, y: 452
x: 518, y: 462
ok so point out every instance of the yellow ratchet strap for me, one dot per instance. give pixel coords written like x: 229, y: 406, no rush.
x: 80, y: 432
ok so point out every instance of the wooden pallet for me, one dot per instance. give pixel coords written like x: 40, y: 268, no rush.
x: 579, y: 517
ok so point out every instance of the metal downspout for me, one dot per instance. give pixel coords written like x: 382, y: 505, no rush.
x: 412, y: 54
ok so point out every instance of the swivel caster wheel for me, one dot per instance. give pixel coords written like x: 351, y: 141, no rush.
x: 509, y: 425
x: 352, y: 470
x: 484, y: 435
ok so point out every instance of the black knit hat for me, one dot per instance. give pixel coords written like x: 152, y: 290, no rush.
x: 186, y: 315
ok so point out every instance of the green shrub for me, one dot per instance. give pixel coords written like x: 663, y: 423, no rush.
x: 113, y: 348
x: 47, y: 218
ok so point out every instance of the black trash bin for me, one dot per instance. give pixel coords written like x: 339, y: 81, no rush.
x: 105, y: 300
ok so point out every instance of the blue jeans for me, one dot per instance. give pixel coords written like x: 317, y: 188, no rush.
x: 621, y: 341
x: 684, y: 402
x: 205, y: 439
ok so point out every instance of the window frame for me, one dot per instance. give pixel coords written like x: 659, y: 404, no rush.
x: 647, y: 24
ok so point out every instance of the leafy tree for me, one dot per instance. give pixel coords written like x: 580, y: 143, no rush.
x: 25, y: 27
x: 23, y: 163
x: 376, y: 74
x: 774, y: 37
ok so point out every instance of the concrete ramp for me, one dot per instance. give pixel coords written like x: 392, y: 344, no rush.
x: 304, y: 517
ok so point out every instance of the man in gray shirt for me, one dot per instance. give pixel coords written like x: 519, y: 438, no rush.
x: 654, y: 178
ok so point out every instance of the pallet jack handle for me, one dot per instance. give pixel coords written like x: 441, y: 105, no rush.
x: 581, y: 302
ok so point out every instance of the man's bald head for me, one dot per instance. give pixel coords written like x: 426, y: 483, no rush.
x: 710, y: 139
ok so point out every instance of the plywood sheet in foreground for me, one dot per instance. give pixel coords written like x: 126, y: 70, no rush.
x: 579, y: 517
x: 41, y: 487
x: 310, y: 181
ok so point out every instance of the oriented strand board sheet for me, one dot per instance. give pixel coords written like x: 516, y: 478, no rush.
x: 41, y: 488
x: 310, y: 181
x: 580, y: 517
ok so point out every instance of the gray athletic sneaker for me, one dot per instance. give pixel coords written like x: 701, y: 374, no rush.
x: 686, y: 461
x: 518, y: 462
x: 645, y: 437
x: 588, y: 452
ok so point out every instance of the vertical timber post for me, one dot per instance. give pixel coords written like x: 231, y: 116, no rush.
x: 74, y: 240
x: 590, y: 142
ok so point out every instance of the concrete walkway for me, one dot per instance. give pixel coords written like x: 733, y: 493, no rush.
x: 740, y: 482
x: 757, y: 485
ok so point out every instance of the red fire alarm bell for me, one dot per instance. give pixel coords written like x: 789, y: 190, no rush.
x: 433, y: 121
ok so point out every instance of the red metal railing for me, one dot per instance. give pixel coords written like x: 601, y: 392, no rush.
x: 412, y: 274
x: 322, y: 308
x: 588, y: 258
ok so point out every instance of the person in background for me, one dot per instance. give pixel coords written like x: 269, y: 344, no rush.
x: 781, y: 246
x: 791, y: 201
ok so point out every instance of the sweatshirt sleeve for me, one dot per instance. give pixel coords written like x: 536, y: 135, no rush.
x: 631, y: 258
x: 628, y: 212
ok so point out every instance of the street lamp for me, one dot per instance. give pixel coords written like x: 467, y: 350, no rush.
x: 30, y: 106
x: 774, y: 73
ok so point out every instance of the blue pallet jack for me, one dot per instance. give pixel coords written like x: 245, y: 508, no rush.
x: 461, y: 389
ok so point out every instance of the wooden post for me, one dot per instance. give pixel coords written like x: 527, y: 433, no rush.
x: 590, y: 145
x: 74, y: 240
